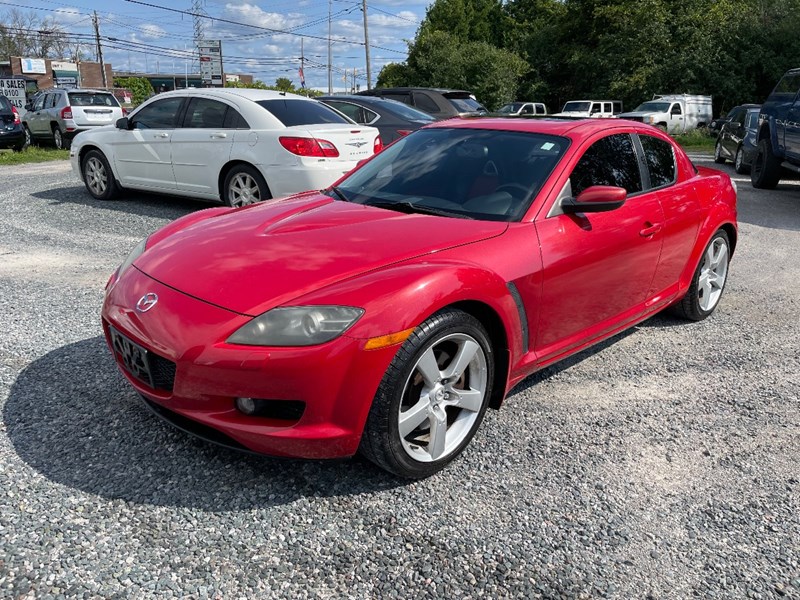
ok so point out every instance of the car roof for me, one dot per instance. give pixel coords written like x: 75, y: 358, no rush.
x: 412, y: 89
x: 247, y: 93
x: 546, y: 125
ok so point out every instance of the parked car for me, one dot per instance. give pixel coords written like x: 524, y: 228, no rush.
x: 674, y: 113
x: 12, y: 135
x: 57, y: 115
x: 778, y: 136
x: 522, y: 108
x: 716, y: 124
x: 737, y: 139
x: 595, y: 109
x: 391, y: 118
x: 386, y: 313
x: 236, y: 145
x: 439, y: 102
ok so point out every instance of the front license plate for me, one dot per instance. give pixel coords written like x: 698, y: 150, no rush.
x: 132, y: 356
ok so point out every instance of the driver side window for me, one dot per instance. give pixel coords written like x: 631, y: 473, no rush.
x: 609, y: 161
x: 161, y: 114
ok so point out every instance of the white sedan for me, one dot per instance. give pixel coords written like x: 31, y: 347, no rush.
x: 236, y: 145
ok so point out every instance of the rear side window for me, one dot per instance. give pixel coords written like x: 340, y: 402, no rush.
x: 609, y: 161
x: 89, y: 99
x: 423, y: 102
x: 660, y: 161
x: 405, y: 98
x: 293, y: 112
x: 205, y: 113
x: 233, y: 120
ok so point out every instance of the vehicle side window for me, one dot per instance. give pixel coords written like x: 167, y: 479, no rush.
x: 39, y: 105
x: 738, y: 117
x: 609, y: 161
x: 233, y: 120
x: 660, y: 161
x: 161, y: 114
x: 617, y: 107
x: 423, y: 102
x: 676, y: 109
x: 205, y: 113
x: 405, y: 98
x: 51, y: 101
x: 596, y: 108
x: 351, y: 110
x: 527, y: 109
x: 752, y: 120
x: 607, y: 107
x: 540, y: 109
x: 788, y: 85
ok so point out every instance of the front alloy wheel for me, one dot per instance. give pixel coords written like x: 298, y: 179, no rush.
x: 432, y: 398
x: 97, y: 176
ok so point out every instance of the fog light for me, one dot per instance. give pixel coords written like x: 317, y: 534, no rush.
x: 246, y: 405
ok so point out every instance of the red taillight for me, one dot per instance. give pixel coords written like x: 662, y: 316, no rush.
x: 377, y: 146
x: 403, y: 131
x: 309, y: 147
x: 66, y: 112
x: 16, y: 115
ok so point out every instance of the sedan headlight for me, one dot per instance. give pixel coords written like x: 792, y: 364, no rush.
x: 297, y: 326
x: 134, y: 254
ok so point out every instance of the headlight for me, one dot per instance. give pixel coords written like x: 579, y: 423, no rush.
x: 134, y: 254
x: 297, y: 326
x: 651, y: 119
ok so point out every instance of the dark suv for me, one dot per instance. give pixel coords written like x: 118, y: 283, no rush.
x: 778, y: 133
x: 11, y: 133
x: 438, y: 102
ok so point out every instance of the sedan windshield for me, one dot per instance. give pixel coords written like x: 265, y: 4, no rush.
x: 653, y: 107
x: 466, y: 173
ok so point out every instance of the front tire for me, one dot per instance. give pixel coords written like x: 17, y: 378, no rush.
x: 766, y: 170
x: 432, y: 398
x: 738, y: 162
x: 98, y: 177
x: 708, y: 282
x: 244, y: 185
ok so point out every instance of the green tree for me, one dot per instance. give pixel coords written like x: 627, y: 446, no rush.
x: 141, y: 88
x: 393, y: 75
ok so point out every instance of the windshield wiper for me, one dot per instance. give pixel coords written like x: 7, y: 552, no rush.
x: 410, y: 208
x: 339, y: 193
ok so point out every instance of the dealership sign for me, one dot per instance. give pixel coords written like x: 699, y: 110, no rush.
x: 14, y: 90
x: 34, y: 65
x: 211, y: 62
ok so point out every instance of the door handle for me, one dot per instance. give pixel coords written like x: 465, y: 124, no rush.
x: 650, y: 229
x: 219, y: 135
x: 161, y: 135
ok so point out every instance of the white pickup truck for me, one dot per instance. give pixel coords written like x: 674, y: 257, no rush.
x: 674, y: 113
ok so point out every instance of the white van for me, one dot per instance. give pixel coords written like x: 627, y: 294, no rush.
x: 674, y: 113
x: 595, y: 109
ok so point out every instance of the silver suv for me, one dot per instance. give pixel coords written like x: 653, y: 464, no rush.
x: 57, y: 116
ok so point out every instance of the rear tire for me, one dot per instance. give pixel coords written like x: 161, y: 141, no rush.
x: 98, y: 176
x: 244, y: 185
x: 29, y: 141
x: 765, y: 173
x: 59, y: 141
x: 738, y: 162
x: 708, y: 282
x: 718, y: 153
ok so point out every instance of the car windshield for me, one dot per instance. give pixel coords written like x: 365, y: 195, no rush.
x: 92, y: 99
x: 653, y: 107
x: 466, y: 173
x: 293, y: 112
x: 467, y: 105
x: 510, y: 108
x: 577, y: 107
x: 407, y: 112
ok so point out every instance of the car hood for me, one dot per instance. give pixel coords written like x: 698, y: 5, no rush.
x: 637, y: 113
x: 253, y: 259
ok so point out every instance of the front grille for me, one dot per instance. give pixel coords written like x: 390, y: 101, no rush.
x: 163, y: 372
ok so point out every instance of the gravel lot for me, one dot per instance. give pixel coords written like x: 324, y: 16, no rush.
x: 661, y: 464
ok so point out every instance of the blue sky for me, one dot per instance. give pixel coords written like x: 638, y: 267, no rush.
x: 147, y: 38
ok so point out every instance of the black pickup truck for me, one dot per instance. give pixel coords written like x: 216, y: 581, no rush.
x: 778, y: 133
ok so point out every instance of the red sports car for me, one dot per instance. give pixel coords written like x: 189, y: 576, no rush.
x: 385, y: 314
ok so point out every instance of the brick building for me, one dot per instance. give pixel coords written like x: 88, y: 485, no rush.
x: 48, y: 73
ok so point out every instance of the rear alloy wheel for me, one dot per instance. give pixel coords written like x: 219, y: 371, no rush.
x: 738, y: 162
x: 244, y: 185
x: 765, y: 172
x: 60, y: 142
x: 28, y: 136
x: 432, y: 398
x: 708, y: 282
x: 98, y: 177
x: 718, y: 153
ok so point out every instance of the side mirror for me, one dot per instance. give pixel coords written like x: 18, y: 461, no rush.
x: 597, y: 198
x: 123, y: 123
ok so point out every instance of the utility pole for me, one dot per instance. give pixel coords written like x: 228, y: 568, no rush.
x: 366, y: 43
x: 301, y: 72
x: 330, y: 76
x: 96, y: 24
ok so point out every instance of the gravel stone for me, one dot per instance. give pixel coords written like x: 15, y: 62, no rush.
x: 662, y: 463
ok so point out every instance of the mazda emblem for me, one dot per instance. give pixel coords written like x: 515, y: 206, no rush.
x: 146, y: 302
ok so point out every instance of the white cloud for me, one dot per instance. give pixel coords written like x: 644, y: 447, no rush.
x: 152, y: 32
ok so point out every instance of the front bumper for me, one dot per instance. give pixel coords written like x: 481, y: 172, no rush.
x: 335, y: 381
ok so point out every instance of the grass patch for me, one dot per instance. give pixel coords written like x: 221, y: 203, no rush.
x: 32, y: 154
x: 696, y: 140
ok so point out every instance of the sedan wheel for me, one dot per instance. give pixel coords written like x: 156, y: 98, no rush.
x: 244, y: 185
x: 738, y: 162
x: 98, y: 177
x: 709, y: 280
x: 432, y: 398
